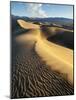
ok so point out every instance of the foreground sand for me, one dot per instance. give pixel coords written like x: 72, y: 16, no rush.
x: 31, y: 77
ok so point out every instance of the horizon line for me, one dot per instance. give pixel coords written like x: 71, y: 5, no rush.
x: 42, y: 17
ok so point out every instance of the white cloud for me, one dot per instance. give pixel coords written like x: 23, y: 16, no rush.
x: 35, y: 10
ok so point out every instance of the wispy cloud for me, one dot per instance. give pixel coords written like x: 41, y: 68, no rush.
x: 35, y: 10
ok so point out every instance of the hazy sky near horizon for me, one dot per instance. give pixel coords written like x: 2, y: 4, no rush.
x: 41, y: 10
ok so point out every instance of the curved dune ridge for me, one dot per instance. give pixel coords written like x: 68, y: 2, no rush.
x: 28, y: 25
x: 57, y: 57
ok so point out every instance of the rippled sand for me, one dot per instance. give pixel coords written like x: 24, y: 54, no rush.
x: 31, y: 77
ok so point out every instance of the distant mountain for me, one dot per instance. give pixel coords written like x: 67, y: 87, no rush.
x: 53, y: 20
x: 65, y: 22
x: 49, y: 19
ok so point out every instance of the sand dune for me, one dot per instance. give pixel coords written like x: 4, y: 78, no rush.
x: 28, y: 25
x: 37, y: 64
x: 58, y: 58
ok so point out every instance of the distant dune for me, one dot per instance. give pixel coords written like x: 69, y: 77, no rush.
x: 58, y: 35
x: 57, y: 57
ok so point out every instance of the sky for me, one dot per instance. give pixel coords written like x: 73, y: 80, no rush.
x: 41, y: 10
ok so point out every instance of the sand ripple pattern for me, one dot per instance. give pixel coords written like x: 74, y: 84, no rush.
x: 31, y: 77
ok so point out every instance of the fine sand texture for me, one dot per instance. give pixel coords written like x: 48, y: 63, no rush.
x: 33, y: 73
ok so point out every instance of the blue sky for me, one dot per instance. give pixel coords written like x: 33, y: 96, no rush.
x: 41, y: 10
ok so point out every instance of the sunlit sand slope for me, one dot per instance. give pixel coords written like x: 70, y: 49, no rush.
x: 58, y: 58
x: 28, y: 25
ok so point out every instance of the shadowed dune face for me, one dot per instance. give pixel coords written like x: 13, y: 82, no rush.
x: 57, y: 57
x: 64, y: 38
x: 50, y: 32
